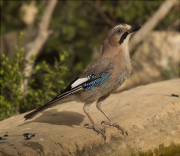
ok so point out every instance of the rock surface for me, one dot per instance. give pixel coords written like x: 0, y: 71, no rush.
x: 149, y: 114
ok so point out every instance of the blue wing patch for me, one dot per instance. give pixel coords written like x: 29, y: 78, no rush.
x: 96, y: 82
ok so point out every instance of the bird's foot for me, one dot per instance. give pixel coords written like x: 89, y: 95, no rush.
x: 114, y: 125
x: 97, y: 129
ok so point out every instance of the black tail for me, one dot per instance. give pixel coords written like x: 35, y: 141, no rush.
x: 35, y: 112
x: 52, y: 102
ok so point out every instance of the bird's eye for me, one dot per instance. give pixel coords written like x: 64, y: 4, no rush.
x: 119, y: 31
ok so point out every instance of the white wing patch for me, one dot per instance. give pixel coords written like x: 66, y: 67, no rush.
x: 79, y: 81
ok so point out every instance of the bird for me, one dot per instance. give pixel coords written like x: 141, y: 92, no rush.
x: 101, y: 78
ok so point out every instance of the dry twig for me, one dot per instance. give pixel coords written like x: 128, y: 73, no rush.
x: 139, y: 36
x: 35, y: 46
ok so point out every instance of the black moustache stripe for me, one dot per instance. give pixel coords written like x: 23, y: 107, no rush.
x: 123, y: 37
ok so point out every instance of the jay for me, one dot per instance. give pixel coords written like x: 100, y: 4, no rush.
x: 101, y: 78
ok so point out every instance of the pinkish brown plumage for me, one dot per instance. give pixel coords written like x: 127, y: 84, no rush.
x: 101, y: 78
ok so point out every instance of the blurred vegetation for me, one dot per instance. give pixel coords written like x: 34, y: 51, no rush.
x: 78, y: 28
x: 44, y: 84
x: 172, y: 71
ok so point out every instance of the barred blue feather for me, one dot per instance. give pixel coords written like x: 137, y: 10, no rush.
x: 96, y: 82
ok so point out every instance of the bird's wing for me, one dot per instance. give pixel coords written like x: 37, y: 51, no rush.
x: 97, y: 74
x: 87, y: 80
x: 94, y: 76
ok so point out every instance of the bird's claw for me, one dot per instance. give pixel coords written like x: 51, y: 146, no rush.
x: 103, y: 122
x: 88, y: 126
x: 96, y: 129
x: 114, y: 125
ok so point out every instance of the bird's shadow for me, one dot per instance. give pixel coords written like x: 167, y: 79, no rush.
x: 54, y: 117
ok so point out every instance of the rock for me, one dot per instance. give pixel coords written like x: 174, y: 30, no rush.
x: 149, y: 114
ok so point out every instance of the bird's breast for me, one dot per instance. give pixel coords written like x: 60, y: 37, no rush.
x: 122, y: 76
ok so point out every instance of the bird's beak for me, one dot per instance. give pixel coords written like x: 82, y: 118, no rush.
x: 133, y: 29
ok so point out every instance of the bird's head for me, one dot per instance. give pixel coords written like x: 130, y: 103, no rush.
x: 119, y: 35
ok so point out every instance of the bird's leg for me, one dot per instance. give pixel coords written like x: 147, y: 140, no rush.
x: 86, y: 109
x: 99, y: 105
